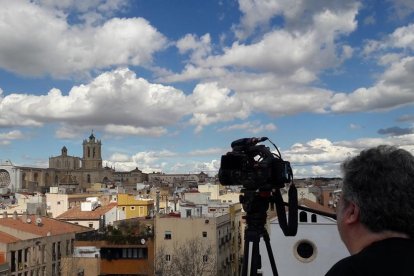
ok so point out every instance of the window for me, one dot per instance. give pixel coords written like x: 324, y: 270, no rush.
x: 90, y: 225
x: 167, y: 235
x: 205, y: 258
x: 124, y: 253
x: 204, y: 234
x: 132, y: 207
x: 168, y: 257
x: 305, y: 251
x: 303, y: 217
x: 313, y: 218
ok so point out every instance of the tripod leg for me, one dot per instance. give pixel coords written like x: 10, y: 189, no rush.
x: 256, y: 263
x: 245, y: 257
x: 266, y: 238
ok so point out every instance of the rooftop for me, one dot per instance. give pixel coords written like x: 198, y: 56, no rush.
x: 76, y: 213
x: 37, y: 225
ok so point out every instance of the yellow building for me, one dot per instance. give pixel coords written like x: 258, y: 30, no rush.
x: 135, y: 205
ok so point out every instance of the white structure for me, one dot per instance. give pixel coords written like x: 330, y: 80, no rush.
x: 303, y: 193
x: 197, y: 198
x: 86, y: 252
x: 316, y: 247
x: 23, y: 200
x: 213, y: 189
x: 10, y: 177
x: 90, y: 204
x: 230, y: 197
x: 57, y: 204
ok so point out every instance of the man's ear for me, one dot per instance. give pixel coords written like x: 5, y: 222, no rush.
x: 351, y: 214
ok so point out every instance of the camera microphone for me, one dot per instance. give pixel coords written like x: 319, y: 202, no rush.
x: 245, y: 142
x: 261, y: 139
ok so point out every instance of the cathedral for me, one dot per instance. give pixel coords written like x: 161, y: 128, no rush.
x: 70, y: 173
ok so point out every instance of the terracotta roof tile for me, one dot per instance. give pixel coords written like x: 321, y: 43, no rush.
x: 308, y: 203
x: 48, y: 226
x: 75, y: 213
x: 6, y: 238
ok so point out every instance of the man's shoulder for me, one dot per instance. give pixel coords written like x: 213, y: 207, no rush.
x: 381, y: 258
x: 345, y: 267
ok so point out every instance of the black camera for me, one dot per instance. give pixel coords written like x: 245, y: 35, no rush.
x: 254, y: 166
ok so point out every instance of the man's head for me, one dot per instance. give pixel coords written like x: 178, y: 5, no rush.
x: 380, y: 183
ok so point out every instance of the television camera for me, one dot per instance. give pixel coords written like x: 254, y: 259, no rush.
x: 261, y: 173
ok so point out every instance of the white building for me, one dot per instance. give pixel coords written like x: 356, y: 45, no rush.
x: 316, y: 247
x: 213, y: 189
x: 10, y: 177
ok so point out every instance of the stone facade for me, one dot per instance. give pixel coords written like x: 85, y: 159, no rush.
x: 70, y: 173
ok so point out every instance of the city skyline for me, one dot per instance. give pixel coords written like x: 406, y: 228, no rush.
x: 168, y: 85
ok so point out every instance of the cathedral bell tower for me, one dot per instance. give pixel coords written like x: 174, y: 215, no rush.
x: 92, y: 158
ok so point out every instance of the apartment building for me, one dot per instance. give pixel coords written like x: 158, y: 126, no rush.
x: 34, y: 245
x: 210, y: 240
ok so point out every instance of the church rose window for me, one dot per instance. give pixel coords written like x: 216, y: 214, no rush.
x: 4, y: 178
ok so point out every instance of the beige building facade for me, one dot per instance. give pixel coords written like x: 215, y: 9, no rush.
x: 218, y: 232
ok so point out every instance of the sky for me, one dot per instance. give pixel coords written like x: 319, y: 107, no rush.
x: 168, y: 85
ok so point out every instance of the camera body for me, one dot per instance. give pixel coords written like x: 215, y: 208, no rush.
x: 254, y: 166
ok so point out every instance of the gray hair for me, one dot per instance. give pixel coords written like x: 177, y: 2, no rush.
x: 380, y: 181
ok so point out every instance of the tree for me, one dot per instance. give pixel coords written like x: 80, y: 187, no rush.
x: 195, y: 257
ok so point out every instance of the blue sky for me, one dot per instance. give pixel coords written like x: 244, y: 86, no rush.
x: 168, y: 85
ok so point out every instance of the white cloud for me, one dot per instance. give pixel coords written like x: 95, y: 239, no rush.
x: 151, y: 161
x: 214, y: 104
x: 255, y: 14
x: 322, y: 157
x: 39, y: 41
x: 403, y: 37
x: 272, y: 73
x: 254, y: 127
x: 204, y: 152
x: 131, y: 130
x: 355, y: 126
x: 67, y: 132
x: 83, y: 6
x: 297, y: 15
x: 394, y: 89
x: 317, y: 151
x: 402, y: 8
x: 119, y: 157
x: 11, y: 135
x: 199, y: 47
x: 116, y: 101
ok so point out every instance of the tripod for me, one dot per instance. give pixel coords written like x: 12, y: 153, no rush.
x: 256, y: 204
x: 253, y: 233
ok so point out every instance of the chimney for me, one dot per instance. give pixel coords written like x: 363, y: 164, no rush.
x: 15, y: 215
x: 5, y: 214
